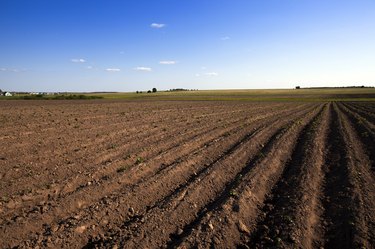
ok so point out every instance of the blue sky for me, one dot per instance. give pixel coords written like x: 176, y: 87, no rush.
x: 128, y: 45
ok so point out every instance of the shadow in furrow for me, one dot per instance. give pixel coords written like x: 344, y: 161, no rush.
x: 367, y: 114
x: 194, y: 177
x: 366, y: 135
x: 278, y: 209
x: 338, y: 218
x: 176, y: 239
x: 136, y: 218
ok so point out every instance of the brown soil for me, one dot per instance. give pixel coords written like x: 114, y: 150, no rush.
x: 122, y: 174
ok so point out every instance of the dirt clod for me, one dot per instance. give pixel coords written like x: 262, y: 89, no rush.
x: 80, y: 229
x: 242, y: 227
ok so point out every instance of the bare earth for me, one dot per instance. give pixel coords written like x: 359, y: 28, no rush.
x: 175, y: 174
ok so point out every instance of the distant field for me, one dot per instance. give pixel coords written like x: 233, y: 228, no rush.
x: 315, y: 95
x: 331, y: 94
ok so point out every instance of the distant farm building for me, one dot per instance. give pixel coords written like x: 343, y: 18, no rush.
x: 8, y: 94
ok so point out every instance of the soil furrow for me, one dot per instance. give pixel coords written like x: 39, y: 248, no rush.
x: 365, y: 131
x: 338, y: 215
x: 363, y: 182
x: 207, y: 187
x: 187, y: 174
x: 65, y: 200
x: 235, y: 218
x: 75, y: 183
x: 177, y: 238
x: 367, y: 115
x: 88, y: 161
x: 286, y: 219
x: 95, y: 175
x: 148, y: 189
x: 112, y: 165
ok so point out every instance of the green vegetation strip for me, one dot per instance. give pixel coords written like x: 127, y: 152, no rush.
x: 308, y: 95
x: 275, y: 95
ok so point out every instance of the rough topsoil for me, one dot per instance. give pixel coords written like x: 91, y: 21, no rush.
x: 175, y: 174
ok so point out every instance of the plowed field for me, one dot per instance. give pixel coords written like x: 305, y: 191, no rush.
x: 151, y: 174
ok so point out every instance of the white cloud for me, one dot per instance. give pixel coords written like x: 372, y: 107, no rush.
x: 157, y: 25
x: 144, y: 69
x: 167, y: 62
x: 211, y: 74
x: 78, y: 60
x: 225, y: 38
x: 89, y: 67
x: 113, y: 70
x: 3, y: 69
x: 197, y: 75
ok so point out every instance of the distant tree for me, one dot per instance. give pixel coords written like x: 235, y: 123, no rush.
x: 136, y: 92
x: 149, y: 91
x: 154, y: 90
x: 298, y: 87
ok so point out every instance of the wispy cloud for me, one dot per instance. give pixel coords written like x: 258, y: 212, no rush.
x: 157, y: 25
x: 144, y: 69
x: 225, y: 38
x: 211, y: 74
x: 14, y: 70
x: 113, y: 69
x: 78, y: 60
x: 167, y: 62
x: 89, y: 67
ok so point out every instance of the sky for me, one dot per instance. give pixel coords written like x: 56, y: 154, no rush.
x: 129, y: 45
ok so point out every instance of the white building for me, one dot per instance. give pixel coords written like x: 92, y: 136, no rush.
x: 8, y: 94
